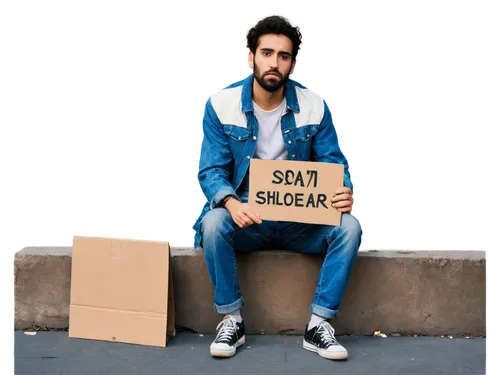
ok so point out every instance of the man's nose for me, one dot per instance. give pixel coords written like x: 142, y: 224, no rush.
x: 273, y: 64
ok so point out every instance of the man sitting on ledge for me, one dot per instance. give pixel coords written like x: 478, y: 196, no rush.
x: 259, y: 117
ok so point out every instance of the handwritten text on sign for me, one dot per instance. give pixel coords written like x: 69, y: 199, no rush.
x: 284, y: 190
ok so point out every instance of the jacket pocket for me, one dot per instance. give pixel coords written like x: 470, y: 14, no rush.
x: 237, y: 133
x: 304, y: 133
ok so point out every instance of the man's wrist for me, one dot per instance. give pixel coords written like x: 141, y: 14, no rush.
x: 226, y: 200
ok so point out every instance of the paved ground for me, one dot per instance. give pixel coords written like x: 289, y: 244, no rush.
x: 187, y: 353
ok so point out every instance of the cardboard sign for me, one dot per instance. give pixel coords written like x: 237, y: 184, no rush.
x: 121, y: 290
x: 298, y: 191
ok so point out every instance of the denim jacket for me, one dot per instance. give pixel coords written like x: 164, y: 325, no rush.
x: 230, y: 136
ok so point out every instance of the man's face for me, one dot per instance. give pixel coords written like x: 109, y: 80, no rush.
x: 272, y: 63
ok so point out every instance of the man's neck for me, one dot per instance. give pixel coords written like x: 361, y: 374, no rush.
x: 266, y: 100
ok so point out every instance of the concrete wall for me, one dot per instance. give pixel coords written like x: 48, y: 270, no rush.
x: 427, y: 293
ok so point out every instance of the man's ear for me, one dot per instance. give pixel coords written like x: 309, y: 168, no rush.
x: 250, y: 59
x: 295, y: 66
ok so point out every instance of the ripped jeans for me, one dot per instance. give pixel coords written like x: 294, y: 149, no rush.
x: 339, y: 246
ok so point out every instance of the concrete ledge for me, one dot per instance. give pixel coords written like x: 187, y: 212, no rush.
x: 42, y: 278
x: 423, y: 292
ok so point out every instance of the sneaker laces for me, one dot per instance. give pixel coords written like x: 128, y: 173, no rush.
x: 327, y: 333
x: 227, y: 329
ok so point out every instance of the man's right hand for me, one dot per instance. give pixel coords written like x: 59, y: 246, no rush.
x: 243, y: 215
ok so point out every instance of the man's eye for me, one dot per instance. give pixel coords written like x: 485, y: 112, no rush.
x: 265, y: 53
x: 284, y: 57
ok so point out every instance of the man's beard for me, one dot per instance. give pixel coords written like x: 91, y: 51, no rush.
x: 271, y: 85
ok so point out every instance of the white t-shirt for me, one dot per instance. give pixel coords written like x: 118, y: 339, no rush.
x: 270, y: 144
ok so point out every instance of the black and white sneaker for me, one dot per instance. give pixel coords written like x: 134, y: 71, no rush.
x: 230, y: 335
x: 321, y: 339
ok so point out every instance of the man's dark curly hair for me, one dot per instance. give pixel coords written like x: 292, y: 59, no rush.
x: 274, y: 25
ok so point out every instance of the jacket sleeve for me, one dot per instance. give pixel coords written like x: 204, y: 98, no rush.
x: 216, y: 160
x: 325, y: 146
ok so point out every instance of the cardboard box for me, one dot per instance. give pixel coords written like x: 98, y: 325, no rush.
x: 121, y: 290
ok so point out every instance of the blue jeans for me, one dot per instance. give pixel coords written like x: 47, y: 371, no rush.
x: 339, y: 246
